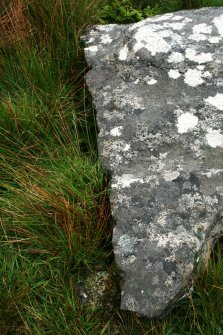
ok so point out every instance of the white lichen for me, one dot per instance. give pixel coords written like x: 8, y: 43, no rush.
x: 126, y: 180
x: 123, y: 53
x: 174, y: 74
x: 198, y: 37
x: 153, y: 41
x: 218, y: 21
x: 126, y: 243
x: 152, y: 81
x: 186, y: 122
x: 207, y: 74
x: 164, y: 17
x: 216, y: 101
x: 162, y: 218
x: 202, y: 28
x: 214, y: 39
x: 177, y: 239
x: 212, y: 172
x: 171, y: 175
x: 92, y: 48
x: 214, y: 138
x: 175, y: 57
x: 174, y: 25
x: 126, y: 147
x: 177, y: 18
x: 201, y: 58
x: 117, y: 131
x: 193, y: 77
x: 106, y: 39
x: 91, y: 40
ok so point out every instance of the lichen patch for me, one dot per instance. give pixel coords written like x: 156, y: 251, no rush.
x: 123, y: 53
x: 147, y: 38
x: 214, y: 138
x: 201, y: 58
x: 186, y: 122
x: 151, y: 81
x: 92, y: 48
x: 126, y: 147
x: 174, y: 74
x: 126, y: 180
x: 106, y: 39
x: 176, y: 57
x: 126, y: 242
x: 193, y: 77
x: 218, y: 21
x: 216, y: 101
x: 171, y: 175
x: 202, y: 28
x: 117, y: 131
x: 164, y: 17
x: 214, y: 39
x: 177, y: 18
x: 198, y: 37
x: 174, y: 25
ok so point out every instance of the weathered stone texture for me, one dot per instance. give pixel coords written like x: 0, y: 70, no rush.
x: 158, y: 90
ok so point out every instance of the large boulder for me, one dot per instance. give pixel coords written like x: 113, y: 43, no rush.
x: 158, y: 90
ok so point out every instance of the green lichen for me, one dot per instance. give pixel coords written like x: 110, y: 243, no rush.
x: 101, y: 290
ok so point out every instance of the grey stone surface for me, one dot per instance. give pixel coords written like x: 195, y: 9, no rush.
x: 158, y: 90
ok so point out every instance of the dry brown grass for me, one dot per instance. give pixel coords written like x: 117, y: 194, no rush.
x: 14, y: 26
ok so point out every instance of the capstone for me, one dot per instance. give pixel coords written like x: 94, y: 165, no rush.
x: 158, y: 90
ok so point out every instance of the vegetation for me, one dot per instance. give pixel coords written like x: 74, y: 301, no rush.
x: 127, y: 11
x: 55, y: 223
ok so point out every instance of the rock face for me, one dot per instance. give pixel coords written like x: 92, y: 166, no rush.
x: 158, y: 91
